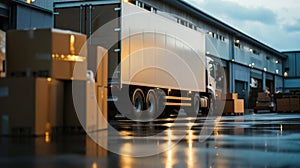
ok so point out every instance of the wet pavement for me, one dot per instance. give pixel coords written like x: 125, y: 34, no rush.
x: 254, y: 140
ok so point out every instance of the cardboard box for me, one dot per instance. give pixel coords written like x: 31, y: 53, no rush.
x: 88, y: 108
x: 102, y: 108
x: 282, y: 104
x: 231, y: 96
x: 30, y: 106
x: 234, y: 106
x: 70, y: 118
x: 98, y: 63
x: 263, y: 97
x: 94, y: 143
x: 91, y: 107
x: 46, y: 53
x: 294, y: 104
x: 263, y: 104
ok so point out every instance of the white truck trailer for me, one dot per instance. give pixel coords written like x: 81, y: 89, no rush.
x: 155, y: 65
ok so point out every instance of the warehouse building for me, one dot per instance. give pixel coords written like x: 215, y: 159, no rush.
x: 250, y: 65
x: 292, y: 71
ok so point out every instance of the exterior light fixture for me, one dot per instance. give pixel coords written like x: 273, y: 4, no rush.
x: 265, y: 69
x: 277, y: 71
x: 285, y: 74
x: 277, y: 62
x: 237, y: 41
x: 30, y: 1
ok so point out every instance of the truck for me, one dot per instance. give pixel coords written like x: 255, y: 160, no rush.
x: 154, y: 66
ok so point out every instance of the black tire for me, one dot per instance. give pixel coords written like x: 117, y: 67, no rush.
x: 161, y: 102
x: 112, y: 115
x: 211, y: 105
x: 195, y: 108
x: 155, y: 104
x: 138, y: 104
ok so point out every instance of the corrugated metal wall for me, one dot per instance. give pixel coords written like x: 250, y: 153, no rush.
x: 28, y: 18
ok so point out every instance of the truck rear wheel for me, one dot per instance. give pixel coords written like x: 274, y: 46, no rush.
x: 138, y: 103
x: 194, y: 110
x: 155, y: 103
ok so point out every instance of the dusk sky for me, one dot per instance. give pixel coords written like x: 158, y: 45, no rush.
x: 275, y: 23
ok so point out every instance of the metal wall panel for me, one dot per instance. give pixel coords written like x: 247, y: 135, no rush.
x: 241, y: 73
x: 292, y: 83
x: 297, y: 65
x: 256, y: 74
x: 291, y: 64
x: 29, y: 18
x: 217, y: 48
x: 278, y: 84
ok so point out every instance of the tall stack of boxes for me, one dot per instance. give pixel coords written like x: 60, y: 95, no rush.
x: 36, y: 97
x: 264, y: 102
x: 98, y: 64
x: 288, y: 102
x: 233, y: 105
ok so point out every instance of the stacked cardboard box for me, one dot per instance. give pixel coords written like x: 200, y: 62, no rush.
x: 37, y: 95
x: 264, y: 102
x: 233, y: 105
x: 288, y: 102
x: 46, y: 67
x: 46, y: 53
x: 30, y: 105
x: 96, y: 90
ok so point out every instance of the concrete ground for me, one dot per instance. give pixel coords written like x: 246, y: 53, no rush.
x: 254, y: 140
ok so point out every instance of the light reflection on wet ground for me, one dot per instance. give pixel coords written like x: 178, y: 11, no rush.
x: 262, y: 140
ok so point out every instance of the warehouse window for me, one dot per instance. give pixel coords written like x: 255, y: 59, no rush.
x: 186, y: 23
x: 195, y: 27
x: 217, y: 36
x: 153, y: 10
x: 133, y: 2
x: 147, y: 7
x: 255, y: 52
x: 237, y: 43
x: 144, y: 6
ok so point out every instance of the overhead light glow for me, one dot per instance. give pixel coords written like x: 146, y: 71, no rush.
x: 30, y: 1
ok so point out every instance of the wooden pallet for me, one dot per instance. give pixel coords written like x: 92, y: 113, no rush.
x: 233, y: 114
x: 257, y: 108
x: 288, y: 111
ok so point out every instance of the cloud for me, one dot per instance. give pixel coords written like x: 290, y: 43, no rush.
x: 271, y: 22
x: 293, y: 28
x: 236, y: 11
